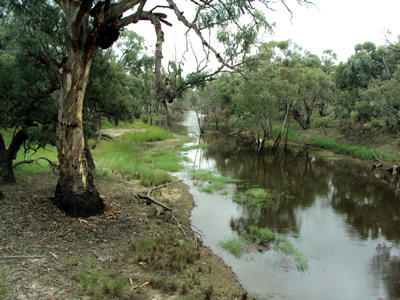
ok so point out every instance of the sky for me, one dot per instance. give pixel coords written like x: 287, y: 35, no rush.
x: 336, y: 25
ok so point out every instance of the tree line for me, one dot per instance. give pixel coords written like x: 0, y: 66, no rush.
x: 283, y: 82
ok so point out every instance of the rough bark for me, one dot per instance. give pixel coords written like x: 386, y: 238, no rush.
x: 76, y: 193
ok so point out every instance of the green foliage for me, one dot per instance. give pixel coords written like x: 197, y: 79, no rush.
x: 234, y: 246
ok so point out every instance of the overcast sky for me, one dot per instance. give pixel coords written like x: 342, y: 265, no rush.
x: 337, y: 25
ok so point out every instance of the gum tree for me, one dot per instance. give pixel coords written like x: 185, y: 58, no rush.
x: 91, y: 25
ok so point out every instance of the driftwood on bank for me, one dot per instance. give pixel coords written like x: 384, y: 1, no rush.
x: 182, y: 227
x: 395, y: 169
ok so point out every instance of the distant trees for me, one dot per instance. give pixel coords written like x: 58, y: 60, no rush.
x: 365, y: 100
x: 285, y: 83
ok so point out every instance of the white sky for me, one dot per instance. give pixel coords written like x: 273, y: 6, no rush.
x: 339, y: 24
x: 333, y: 24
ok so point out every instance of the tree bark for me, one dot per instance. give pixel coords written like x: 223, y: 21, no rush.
x: 76, y: 193
x: 8, y: 155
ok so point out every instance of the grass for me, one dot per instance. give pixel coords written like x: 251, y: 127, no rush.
x: 217, y: 183
x: 363, y: 152
x: 102, y: 285
x: 165, y: 252
x: 264, y: 237
x: 133, y: 158
x: 260, y: 198
x: 264, y: 234
x: 130, y: 155
x: 152, y: 134
x: 164, y: 159
x: 3, y: 289
x: 287, y: 247
x: 234, y: 246
x: 42, y: 167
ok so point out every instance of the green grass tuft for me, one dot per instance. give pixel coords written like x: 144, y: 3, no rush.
x: 287, y: 247
x: 260, y: 198
x: 216, y: 183
x: 265, y: 235
x: 234, y: 246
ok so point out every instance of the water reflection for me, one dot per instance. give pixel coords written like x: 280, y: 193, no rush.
x: 349, y: 226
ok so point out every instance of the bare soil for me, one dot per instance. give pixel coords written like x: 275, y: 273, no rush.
x: 46, y: 255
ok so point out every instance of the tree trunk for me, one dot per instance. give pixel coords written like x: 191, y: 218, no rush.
x: 7, y: 156
x: 7, y: 172
x: 76, y: 193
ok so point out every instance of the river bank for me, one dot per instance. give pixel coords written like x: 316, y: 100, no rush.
x: 133, y: 251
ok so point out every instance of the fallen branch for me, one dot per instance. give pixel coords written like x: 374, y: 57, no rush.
x: 31, y: 161
x: 163, y: 185
x: 148, y: 197
x: 380, y: 164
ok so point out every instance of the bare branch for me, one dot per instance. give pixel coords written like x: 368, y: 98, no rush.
x: 53, y: 165
x: 117, y: 9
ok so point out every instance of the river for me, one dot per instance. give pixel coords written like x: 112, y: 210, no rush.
x: 345, y: 226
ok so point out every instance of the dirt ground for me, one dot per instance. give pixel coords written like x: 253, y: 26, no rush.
x: 46, y: 255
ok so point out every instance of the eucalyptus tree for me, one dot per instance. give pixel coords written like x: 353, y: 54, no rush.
x: 362, y: 102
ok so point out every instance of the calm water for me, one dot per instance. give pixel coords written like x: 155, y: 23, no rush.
x: 346, y: 225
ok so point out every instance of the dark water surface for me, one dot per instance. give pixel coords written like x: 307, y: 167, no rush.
x: 346, y: 225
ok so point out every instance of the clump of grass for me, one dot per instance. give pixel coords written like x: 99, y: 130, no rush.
x: 166, y: 252
x: 99, y: 285
x: 215, y: 182
x: 260, y: 198
x: 287, y: 247
x: 235, y: 246
x: 261, y: 235
x: 3, y: 289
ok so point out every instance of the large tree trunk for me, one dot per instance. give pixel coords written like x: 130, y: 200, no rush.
x: 76, y: 193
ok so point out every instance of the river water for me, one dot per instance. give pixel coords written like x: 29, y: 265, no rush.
x: 345, y: 225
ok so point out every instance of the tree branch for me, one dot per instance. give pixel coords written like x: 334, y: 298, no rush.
x: 53, y: 165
